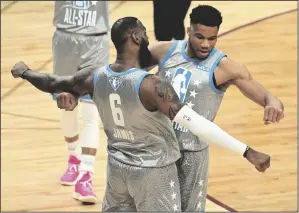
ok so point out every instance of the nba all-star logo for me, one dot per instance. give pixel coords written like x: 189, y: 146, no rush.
x: 115, y: 82
x: 80, y: 13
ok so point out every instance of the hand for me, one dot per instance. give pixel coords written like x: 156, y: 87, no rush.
x: 18, y: 69
x: 66, y: 101
x: 272, y: 114
x: 260, y: 160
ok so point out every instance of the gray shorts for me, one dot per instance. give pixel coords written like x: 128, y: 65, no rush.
x: 193, y: 170
x: 72, y: 52
x: 130, y: 188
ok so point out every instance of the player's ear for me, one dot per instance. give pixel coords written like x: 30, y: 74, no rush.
x: 188, y: 31
x: 135, y: 38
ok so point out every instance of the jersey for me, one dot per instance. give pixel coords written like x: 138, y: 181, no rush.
x: 135, y: 135
x: 192, y: 79
x: 82, y: 17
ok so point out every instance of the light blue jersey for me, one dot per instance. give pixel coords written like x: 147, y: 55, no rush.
x: 192, y: 79
x: 135, y: 136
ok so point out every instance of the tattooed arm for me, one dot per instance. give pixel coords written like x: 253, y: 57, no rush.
x: 78, y: 85
x: 157, y: 94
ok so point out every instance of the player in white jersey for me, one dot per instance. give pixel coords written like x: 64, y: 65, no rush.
x: 142, y: 146
x: 204, y: 73
x: 80, y: 40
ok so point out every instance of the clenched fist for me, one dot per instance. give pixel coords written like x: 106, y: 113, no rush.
x: 260, y: 160
x: 66, y: 101
x: 272, y: 114
x: 18, y: 69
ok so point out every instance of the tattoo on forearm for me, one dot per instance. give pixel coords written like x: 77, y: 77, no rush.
x: 46, y: 82
x: 54, y: 84
x: 167, y: 93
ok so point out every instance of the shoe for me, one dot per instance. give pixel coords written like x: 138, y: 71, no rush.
x: 70, y: 176
x: 83, y: 189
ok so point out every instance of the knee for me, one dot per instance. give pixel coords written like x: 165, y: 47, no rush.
x: 69, y: 123
x: 90, y: 113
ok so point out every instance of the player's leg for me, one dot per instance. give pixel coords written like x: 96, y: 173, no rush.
x: 94, y: 52
x: 193, y: 174
x: 117, y: 197
x: 155, y: 189
x: 89, y: 141
x: 179, y: 13
x: 162, y: 20
x: 65, y: 62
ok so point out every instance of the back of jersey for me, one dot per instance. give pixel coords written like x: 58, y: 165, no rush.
x: 135, y: 135
x: 82, y: 17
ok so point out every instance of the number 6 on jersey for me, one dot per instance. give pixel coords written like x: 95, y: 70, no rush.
x: 116, y: 112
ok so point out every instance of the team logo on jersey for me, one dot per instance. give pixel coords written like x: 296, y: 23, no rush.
x: 180, y: 82
x: 115, y: 82
x: 204, y: 68
x: 80, y: 13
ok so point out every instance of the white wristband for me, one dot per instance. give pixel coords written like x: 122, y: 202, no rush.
x: 207, y: 131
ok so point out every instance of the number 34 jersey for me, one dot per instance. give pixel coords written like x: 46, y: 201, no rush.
x: 135, y: 136
x: 192, y: 79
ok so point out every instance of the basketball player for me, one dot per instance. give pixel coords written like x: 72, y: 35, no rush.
x: 201, y: 73
x: 135, y: 108
x: 80, y: 40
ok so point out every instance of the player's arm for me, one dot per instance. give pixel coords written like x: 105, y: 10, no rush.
x: 78, y: 85
x: 158, y: 52
x: 158, y: 94
x: 242, y: 79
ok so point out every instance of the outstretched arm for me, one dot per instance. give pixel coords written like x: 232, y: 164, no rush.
x: 78, y: 85
x: 156, y: 93
x: 239, y: 76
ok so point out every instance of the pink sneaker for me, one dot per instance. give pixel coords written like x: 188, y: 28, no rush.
x: 70, y: 176
x: 83, y: 189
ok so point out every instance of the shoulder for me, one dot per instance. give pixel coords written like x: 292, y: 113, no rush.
x: 148, y: 82
x: 147, y: 92
x: 159, y: 49
x: 86, y: 75
x: 232, y: 68
x: 161, y: 45
x: 152, y: 84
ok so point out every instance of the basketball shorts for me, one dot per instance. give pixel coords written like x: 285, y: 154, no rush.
x: 73, y: 52
x: 193, y: 174
x: 130, y: 188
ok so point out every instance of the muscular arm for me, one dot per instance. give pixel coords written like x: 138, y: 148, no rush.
x: 157, y: 94
x: 237, y: 74
x: 80, y: 84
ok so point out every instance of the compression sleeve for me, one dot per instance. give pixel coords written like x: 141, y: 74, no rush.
x: 208, y: 131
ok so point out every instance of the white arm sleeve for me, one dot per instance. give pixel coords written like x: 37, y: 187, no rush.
x: 208, y: 131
